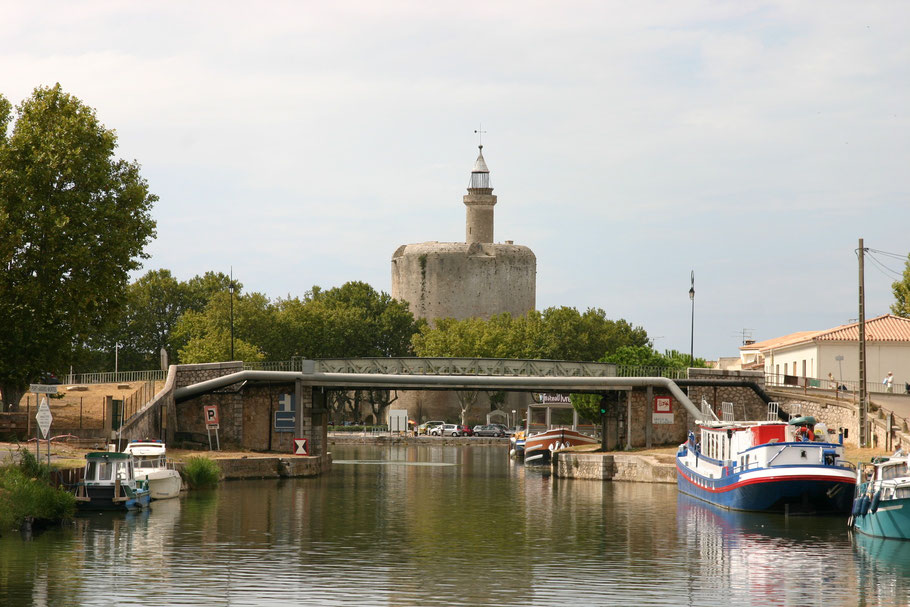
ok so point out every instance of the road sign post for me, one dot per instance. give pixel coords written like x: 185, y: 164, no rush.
x: 210, y: 415
x: 44, y: 419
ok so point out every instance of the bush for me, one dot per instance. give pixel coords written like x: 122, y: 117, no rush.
x: 201, y: 473
x: 26, y: 494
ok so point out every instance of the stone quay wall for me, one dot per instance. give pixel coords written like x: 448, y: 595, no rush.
x: 612, y: 467
x: 190, y: 421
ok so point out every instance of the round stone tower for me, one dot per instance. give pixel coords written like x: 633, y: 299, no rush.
x: 473, y: 279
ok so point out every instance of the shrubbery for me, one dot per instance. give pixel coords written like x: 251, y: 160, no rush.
x: 201, y: 473
x: 26, y: 494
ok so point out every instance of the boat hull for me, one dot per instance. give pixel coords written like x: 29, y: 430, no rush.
x: 891, y: 519
x: 163, y: 484
x: 104, y: 497
x: 538, y: 448
x: 790, y: 489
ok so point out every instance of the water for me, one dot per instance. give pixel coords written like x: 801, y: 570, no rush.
x: 408, y: 525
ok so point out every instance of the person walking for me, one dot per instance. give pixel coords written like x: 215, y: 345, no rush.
x: 889, y: 382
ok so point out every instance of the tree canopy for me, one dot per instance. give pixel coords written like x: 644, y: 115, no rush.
x: 901, y: 290
x: 74, y: 221
x: 556, y: 333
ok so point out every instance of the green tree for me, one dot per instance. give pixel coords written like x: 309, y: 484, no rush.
x: 207, y: 334
x: 901, y: 290
x: 74, y: 221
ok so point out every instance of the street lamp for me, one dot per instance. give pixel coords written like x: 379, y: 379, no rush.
x: 692, y: 332
x: 232, y: 312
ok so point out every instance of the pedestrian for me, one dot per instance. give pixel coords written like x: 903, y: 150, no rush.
x: 889, y: 382
x: 832, y: 384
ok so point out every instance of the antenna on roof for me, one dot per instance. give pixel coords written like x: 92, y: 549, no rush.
x: 479, y: 130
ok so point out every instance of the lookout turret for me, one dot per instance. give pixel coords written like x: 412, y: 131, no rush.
x: 479, y: 202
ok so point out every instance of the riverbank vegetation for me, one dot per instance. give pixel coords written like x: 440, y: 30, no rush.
x: 201, y: 473
x: 27, y: 496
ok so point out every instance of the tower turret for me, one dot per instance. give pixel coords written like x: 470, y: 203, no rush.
x: 479, y: 203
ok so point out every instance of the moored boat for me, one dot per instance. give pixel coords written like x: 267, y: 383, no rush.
x: 110, y: 483
x: 539, y: 448
x: 151, y: 465
x: 766, y: 466
x: 881, y: 505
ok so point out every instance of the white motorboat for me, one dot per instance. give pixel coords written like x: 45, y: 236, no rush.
x: 151, y: 464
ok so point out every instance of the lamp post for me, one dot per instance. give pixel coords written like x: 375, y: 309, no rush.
x: 692, y: 331
x: 116, y: 359
x: 232, y: 313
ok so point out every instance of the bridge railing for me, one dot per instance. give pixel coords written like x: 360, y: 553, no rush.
x: 443, y: 366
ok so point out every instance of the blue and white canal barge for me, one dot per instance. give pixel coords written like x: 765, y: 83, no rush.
x: 766, y: 466
x: 110, y: 483
x: 881, y: 507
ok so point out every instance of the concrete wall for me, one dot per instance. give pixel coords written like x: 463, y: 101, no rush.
x: 460, y: 280
x: 152, y: 420
x: 613, y: 467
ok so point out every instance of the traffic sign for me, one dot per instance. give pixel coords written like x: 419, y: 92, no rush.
x: 44, y: 417
x: 301, y: 446
x: 42, y: 389
x: 210, y: 413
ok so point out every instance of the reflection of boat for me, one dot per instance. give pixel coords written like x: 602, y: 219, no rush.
x: 765, y: 466
x: 151, y: 465
x: 881, y: 506
x: 110, y: 483
x: 538, y: 448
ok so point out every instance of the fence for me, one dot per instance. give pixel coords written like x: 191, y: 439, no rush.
x: 112, y: 377
x: 844, y: 389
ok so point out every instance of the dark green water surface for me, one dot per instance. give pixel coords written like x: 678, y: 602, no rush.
x: 409, y: 525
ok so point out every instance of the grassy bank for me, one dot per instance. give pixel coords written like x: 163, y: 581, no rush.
x: 27, y: 497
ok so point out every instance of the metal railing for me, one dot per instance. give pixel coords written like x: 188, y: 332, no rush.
x: 111, y: 377
x: 843, y: 388
x: 465, y: 366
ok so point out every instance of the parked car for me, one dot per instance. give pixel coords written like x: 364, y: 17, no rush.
x: 466, y: 430
x: 425, y: 427
x: 446, y: 430
x: 505, y: 429
x: 489, y: 430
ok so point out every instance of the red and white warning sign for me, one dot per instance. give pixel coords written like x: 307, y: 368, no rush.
x: 301, y: 446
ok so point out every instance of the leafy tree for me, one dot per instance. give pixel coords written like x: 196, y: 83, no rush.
x: 207, y: 334
x: 74, y: 221
x: 901, y: 290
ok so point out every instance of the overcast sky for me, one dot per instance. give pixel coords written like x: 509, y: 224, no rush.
x: 629, y: 143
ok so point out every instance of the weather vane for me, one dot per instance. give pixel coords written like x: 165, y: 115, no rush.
x: 479, y: 130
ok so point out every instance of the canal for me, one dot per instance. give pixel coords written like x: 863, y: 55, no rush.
x: 448, y: 525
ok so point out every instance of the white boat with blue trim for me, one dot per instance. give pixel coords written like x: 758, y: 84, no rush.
x: 151, y: 466
x: 881, y: 507
x: 767, y: 466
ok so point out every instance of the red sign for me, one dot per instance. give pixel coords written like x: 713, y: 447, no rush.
x: 301, y: 446
x: 210, y: 412
x: 663, y: 404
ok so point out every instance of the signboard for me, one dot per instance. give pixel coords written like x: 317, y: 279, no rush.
x: 663, y: 410
x: 285, y: 416
x: 42, y: 389
x: 398, y: 420
x: 553, y: 399
x: 301, y: 446
x: 44, y: 417
x: 210, y: 413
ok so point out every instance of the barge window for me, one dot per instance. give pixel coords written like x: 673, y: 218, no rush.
x: 895, y: 471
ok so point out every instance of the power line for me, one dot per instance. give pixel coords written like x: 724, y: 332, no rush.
x: 883, y: 268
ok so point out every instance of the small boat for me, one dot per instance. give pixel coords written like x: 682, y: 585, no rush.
x: 881, y: 505
x: 517, y: 445
x: 110, y: 483
x: 766, y: 466
x: 152, y: 466
x: 539, y: 447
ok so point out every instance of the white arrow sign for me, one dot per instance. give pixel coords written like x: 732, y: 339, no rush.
x: 44, y: 417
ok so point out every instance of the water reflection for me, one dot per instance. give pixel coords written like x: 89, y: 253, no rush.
x: 408, y: 525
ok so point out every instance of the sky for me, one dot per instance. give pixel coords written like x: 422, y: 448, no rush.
x: 629, y: 143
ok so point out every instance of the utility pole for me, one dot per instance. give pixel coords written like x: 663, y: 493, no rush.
x: 863, y: 393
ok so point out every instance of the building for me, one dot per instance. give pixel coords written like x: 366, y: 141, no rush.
x: 473, y: 279
x: 477, y: 278
x: 802, y: 357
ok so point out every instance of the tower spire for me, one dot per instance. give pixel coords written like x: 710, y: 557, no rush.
x: 479, y: 202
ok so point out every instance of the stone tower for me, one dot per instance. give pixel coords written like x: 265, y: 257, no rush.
x: 473, y: 279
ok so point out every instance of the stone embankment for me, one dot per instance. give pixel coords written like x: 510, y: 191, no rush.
x: 615, y: 467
